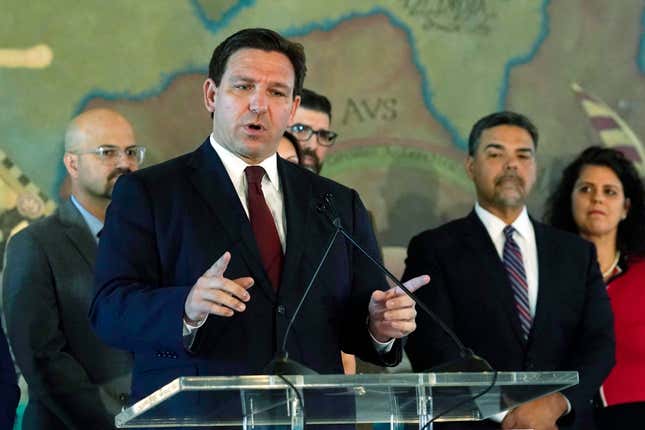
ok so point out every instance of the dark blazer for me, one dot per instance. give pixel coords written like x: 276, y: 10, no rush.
x: 75, y: 381
x: 9, y: 391
x: 573, y: 324
x: 168, y: 223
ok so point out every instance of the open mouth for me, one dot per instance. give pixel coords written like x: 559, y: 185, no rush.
x: 254, y: 127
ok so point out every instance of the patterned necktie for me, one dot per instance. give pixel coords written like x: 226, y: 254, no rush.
x: 263, y: 225
x: 512, y: 258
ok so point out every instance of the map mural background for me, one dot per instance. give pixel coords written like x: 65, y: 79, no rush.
x: 406, y: 78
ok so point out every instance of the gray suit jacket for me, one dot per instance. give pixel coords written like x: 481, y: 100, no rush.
x: 75, y: 381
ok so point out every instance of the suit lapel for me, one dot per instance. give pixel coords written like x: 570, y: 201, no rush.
x: 547, y: 281
x: 212, y: 182
x: 296, y: 189
x: 485, y: 255
x: 77, y: 231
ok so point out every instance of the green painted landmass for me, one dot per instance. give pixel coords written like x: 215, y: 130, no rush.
x: 118, y: 47
x: 216, y: 10
x: 131, y: 50
x: 404, y: 157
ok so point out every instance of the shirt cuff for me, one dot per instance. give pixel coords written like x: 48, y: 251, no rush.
x: 189, y: 331
x: 498, y: 418
x: 381, y: 347
x: 568, y: 405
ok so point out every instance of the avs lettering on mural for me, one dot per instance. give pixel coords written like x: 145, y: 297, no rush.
x: 451, y: 16
x: 363, y: 110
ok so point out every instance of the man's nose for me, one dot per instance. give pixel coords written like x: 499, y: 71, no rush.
x: 511, y: 162
x: 258, y: 103
x: 124, y: 161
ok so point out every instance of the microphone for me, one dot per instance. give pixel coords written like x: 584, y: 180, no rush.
x: 281, y: 364
x: 468, y: 361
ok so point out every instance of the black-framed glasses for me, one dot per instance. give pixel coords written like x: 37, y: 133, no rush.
x: 304, y: 132
x: 110, y: 153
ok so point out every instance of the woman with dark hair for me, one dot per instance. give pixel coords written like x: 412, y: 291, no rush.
x: 289, y: 148
x: 601, y: 198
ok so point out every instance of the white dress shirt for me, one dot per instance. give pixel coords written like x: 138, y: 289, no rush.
x: 271, y: 187
x: 524, y: 235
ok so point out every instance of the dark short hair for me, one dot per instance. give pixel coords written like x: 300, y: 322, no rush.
x: 265, y: 40
x: 631, y: 231
x: 312, y: 100
x: 500, y: 118
x: 296, y: 145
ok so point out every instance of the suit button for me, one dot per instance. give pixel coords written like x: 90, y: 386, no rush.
x: 281, y: 309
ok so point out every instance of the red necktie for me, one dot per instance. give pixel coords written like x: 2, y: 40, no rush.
x: 263, y: 225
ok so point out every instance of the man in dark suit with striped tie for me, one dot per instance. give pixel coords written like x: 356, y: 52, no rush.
x: 523, y: 295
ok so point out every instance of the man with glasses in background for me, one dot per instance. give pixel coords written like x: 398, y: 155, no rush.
x: 74, y: 380
x: 311, y: 127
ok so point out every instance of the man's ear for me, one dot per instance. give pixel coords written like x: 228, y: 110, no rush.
x: 71, y: 164
x: 469, y: 166
x: 294, y: 108
x: 210, y: 92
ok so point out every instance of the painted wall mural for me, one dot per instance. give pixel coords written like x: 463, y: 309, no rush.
x: 407, y: 79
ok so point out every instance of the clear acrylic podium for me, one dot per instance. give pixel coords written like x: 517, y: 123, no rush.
x: 263, y: 401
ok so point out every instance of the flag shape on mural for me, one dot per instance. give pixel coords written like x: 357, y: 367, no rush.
x: 613, y: 131
x: 21, y: 201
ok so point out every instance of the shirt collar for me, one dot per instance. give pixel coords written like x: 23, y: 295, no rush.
x: 93, y: 223
x: 235, y: 166
x: 495, y: 225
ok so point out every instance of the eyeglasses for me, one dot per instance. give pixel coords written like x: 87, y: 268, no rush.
x: 304, y: 132
x: 109, y: 153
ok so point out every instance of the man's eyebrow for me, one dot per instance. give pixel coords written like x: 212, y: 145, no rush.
x: 530, y: 150
x: 240, y: 78
x: 280, y: 85
x: 251, y: 80
x: 494, y: 146
x: 501, y: 147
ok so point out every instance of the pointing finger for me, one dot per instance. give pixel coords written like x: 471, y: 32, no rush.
x: 414, y: 284
x: 219, y: 267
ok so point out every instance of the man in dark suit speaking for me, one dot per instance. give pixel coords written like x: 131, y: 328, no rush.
x: 204, y: 258
x: 523, y: 295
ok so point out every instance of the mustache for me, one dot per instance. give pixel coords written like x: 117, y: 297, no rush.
x: 509, y: 177
x: 316, y: 165
x: 118, y: 172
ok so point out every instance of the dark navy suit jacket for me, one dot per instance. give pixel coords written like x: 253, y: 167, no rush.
x: 9, y: 391
x: 168, y: 223
x: 572, y: 328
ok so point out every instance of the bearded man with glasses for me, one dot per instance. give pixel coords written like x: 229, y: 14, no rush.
x: 311, y: 125
x: 75, y: 381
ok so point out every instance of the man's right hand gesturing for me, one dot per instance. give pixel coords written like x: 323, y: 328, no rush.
x: 217, y: 295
